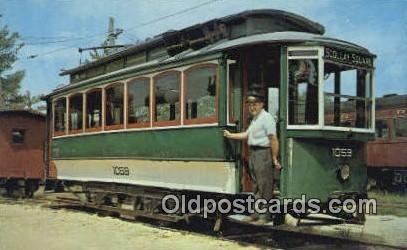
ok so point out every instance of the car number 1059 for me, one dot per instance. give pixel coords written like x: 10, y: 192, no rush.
x: 121, y: 170
x: 342, y: 152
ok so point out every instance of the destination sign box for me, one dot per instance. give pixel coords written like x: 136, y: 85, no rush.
x: 349, y: 58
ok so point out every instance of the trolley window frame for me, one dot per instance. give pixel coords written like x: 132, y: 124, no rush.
x: 321, y: 85
x: 68, y: 119
x: 104, y: 105
x: 176, y: 121
x: 90, y: 91
x: 143, y: 124
x: 65, y: 113
x: 126, y: 127
x: 200, y: 120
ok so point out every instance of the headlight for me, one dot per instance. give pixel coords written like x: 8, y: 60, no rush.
x: 344, y: 172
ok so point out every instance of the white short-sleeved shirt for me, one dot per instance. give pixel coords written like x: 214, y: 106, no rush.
x: 261, y: 127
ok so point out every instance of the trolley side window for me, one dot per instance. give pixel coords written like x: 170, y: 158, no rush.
x: 114, y: 104
x: 75, y: 112
x: 167, y: 106
x: 94, y: 109
x: 138, y: 101
x: 382, y: 129
x: 303, y: 92
x: 200, y: 94
x: 59, y: 116
x: 401, y: 127
x: 18, y: 136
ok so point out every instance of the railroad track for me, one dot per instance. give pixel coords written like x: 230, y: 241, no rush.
x: 398, y: 205
x: 269, y: 237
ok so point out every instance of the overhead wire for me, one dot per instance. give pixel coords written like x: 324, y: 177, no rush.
x: 56, y: 41
x: 124, y: 30
x: 58, y: 49
x: 44, y: 37
x: 171, y: 15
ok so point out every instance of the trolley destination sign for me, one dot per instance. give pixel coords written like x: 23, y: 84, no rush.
x: 348, y: 58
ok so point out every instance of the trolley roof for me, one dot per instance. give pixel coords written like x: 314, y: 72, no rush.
x: 236, y: 31
x: 279, y: 21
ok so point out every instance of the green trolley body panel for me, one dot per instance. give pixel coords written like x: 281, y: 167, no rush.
x: 204, y: 144
x: 314, y: 165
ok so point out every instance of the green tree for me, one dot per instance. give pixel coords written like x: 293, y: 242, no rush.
x: 9, y: 81
x: 28, y: 101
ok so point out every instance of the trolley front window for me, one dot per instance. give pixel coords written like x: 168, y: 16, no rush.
x: 329, y: 89
x: 303, y: 92
x: 347, y: 96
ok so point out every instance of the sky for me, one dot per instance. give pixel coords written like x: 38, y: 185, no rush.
x: 53, y: 30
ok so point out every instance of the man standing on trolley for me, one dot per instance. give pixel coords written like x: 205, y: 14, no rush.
x: 262, y: 139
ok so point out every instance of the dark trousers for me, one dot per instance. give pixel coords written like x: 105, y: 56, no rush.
x: 262, y: 174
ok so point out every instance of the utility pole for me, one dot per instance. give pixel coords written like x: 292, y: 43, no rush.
x: 112, y: 35
x: 108, y: 46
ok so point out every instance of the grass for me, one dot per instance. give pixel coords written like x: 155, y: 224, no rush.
x: 390, y: 203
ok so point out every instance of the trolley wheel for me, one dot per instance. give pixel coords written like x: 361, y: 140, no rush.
x: 278, y: 219
x: 11, y: 187
x: 30, y: 187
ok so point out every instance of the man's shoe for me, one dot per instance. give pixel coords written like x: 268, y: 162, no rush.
x: 261, y: 222
x: 291, y: 221
x: 250, y: 218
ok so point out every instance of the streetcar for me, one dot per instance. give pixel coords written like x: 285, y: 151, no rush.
x: 387, y: 155
x: 147, y: 121
x: 22, y: 137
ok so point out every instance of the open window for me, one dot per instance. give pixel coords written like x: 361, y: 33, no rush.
x: 167, y: 105
x: 303, y: 92
x: 329, y: 89
x: 94, y: 110
x: 200, y: 94
x: 59, y: 116
x: 347, y: 96
x: 114, y: 106
x: 75, y: 113
x: 138, y: 102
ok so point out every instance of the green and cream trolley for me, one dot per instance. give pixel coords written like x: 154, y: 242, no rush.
x: 148, y: 120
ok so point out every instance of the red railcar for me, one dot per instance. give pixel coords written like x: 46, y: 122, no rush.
x: 22, y: 137
x: 387, y: 155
